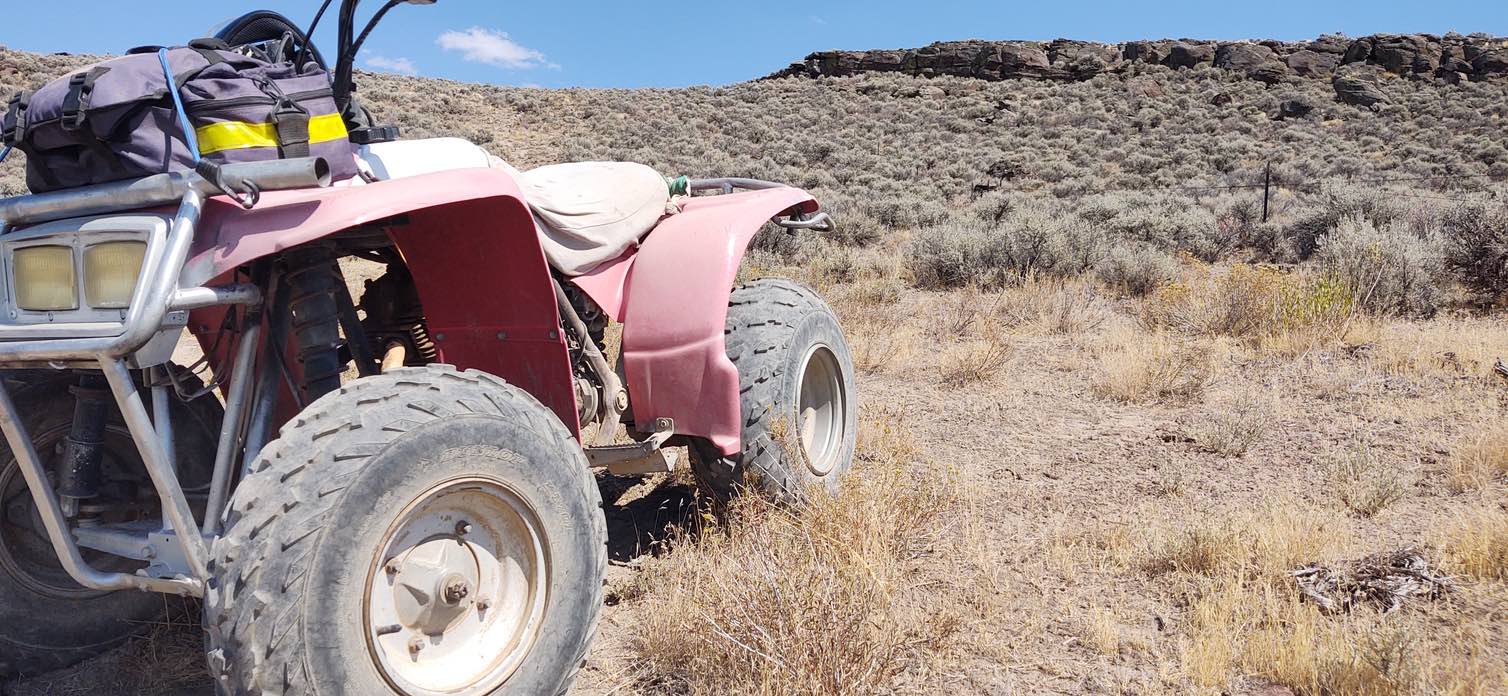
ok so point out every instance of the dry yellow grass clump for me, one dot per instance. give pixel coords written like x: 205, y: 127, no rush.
x: 1476, y: 543
x: 1273, y: 308
x: 831, y: 598
x: 1245, y: 616
x: 1480, y: 461
x: 1139, y: 367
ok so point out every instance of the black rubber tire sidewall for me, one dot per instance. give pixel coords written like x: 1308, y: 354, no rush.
x: 428, y: 456
x: 283, y: 607
x: 772, y: 325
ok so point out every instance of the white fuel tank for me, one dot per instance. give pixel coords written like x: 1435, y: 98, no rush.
x: 403, y: 158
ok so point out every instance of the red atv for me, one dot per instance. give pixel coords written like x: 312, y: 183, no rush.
x: 396, y: 496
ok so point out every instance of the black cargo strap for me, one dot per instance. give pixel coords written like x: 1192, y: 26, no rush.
x: 291, y: 121
x: 13, y: 128
x: 211, y: 58
x: 76, y: 103
x: 210, y: 55
x: 292, y: 124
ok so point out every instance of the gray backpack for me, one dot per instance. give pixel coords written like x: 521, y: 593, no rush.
x: 124, y: 119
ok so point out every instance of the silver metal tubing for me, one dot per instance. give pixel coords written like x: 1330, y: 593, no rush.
x: 124, y: 541
x: 175, y: 506
x: 161, y: 189
x: 613, y: 396
x: 264, y: 400
x: 821, y: 222
x: 163, y: 419
x: 149, y: 304
x: 56, y: 525
x: 196, y: 298
x: 230, y: 432
x: 727, y: 184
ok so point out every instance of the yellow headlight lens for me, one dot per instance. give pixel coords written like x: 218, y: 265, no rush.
x: 44, y: 279
x: 110, y: 272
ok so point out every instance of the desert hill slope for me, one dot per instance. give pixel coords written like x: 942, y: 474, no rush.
x: 1107, y: 406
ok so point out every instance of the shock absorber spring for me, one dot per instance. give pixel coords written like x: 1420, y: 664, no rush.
x: 313, y: 278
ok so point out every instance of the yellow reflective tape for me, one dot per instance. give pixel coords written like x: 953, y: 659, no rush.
x: 239, y: 135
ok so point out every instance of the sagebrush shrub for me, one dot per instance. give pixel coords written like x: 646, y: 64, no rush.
x: 1476, y: 246
x: 1389, y: 269
x: 1137, y: 271
x: 1311, y: 224
x: 1030, y: 240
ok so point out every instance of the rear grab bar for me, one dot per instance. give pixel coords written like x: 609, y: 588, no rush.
x: 821, y: 222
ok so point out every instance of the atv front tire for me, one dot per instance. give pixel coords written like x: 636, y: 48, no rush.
x: 796, y: 392
x: 420, y: 531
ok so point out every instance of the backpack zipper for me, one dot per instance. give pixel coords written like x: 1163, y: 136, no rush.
x: 216, y: 104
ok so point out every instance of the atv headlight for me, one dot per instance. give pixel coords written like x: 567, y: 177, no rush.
x: 44, y: 278
x: 110, y: 273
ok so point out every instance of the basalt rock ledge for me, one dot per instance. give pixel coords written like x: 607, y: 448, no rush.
x: 1450, y: 58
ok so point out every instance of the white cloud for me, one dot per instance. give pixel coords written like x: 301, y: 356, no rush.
x: 494, y: 48
x: 402, y: 66
x: 814, y: 19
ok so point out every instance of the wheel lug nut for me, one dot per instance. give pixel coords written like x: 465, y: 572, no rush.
x: 415, y: 645
x: 392, y: 566
x: 463, y: 528
x: 483, y: 604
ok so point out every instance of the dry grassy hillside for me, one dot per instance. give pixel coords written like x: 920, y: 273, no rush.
x: 1106, y: 414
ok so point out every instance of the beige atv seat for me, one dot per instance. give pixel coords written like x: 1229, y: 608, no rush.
x: 588, y: 213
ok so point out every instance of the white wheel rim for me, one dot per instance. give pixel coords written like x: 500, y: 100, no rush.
x: 821, y: 409
x: 456, y: 597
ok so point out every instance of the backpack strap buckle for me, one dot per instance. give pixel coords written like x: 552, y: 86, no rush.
x: 13, y: 128
x: 76, y: 103
x: 73, y: 104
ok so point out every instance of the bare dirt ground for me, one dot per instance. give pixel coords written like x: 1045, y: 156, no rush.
x: 1092, y: 518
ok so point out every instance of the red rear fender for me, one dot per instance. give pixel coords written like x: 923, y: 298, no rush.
x: 672, y: 298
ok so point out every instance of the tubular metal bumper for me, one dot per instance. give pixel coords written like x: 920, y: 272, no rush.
x: 157, y: 293
x: 57, y: 525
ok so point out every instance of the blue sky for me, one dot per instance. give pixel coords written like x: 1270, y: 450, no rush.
x: 558, y: 43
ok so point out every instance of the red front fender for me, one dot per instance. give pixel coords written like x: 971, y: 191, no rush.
x: 672, y: 298
x: 469, y: 240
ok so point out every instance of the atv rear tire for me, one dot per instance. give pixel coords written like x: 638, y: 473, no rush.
x: 796, y: 396
x: 435, y: 498
x: 48, y: 622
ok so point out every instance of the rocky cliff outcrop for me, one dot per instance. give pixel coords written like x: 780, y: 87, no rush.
x: 1452, y: 57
